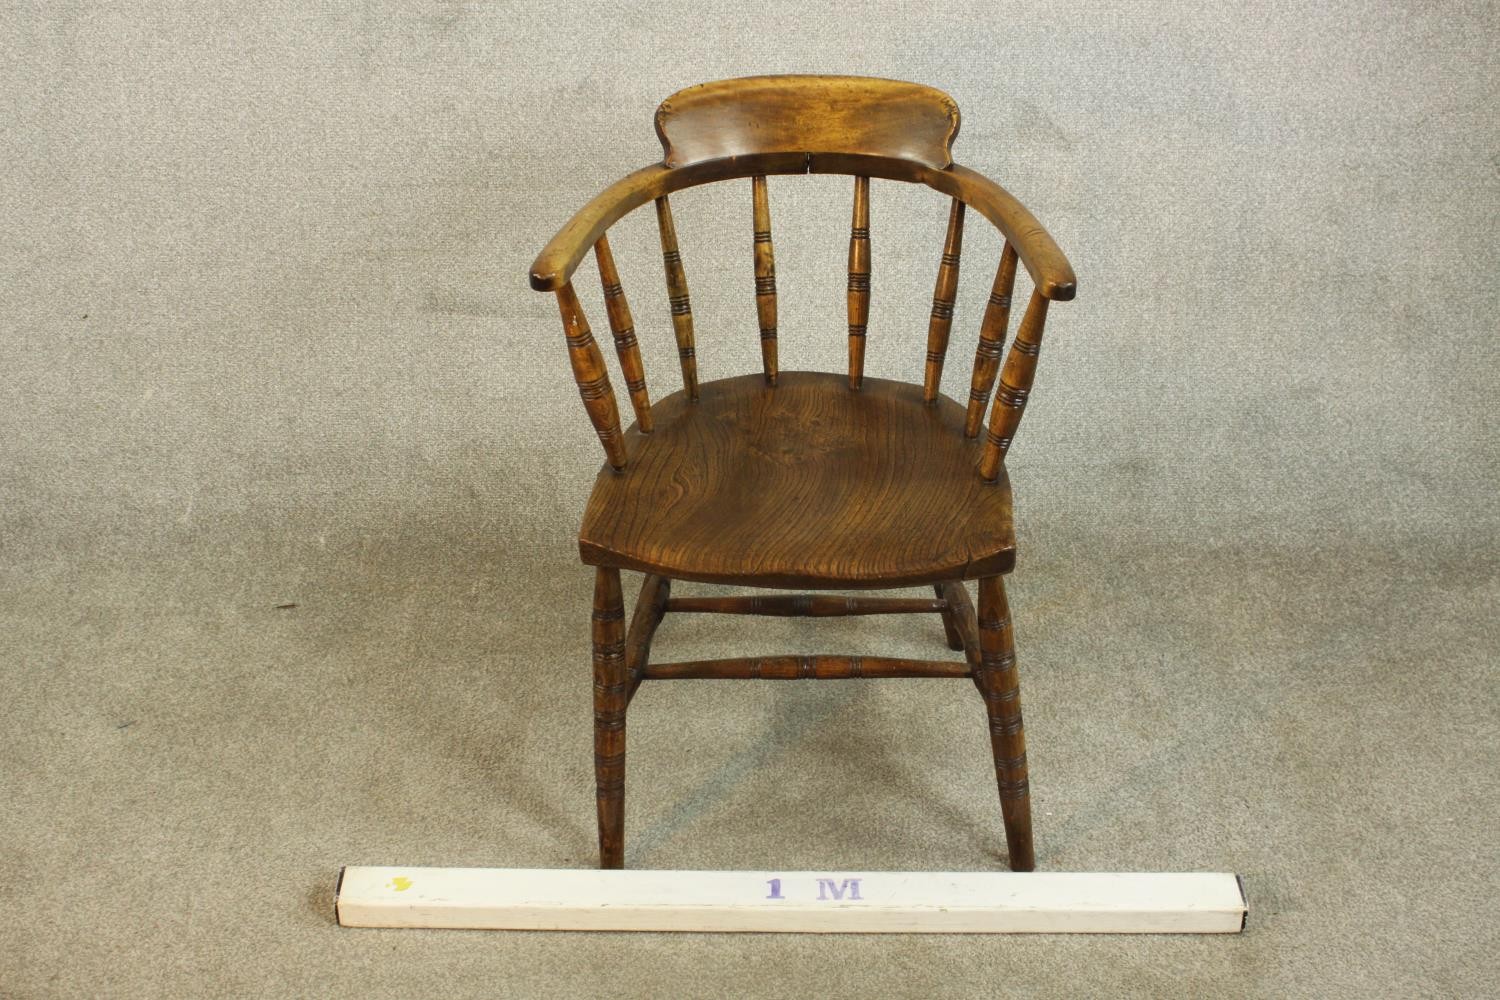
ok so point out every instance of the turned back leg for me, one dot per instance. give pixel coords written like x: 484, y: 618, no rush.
x: 611, y: 691
x: 950, y: 621
x: 1000, y: 686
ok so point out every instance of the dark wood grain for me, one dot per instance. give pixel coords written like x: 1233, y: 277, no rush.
x: 859, y: 281
x: 802, y: 485
x: 765, y: 277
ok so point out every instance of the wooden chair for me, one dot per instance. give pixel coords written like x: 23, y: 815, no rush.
x: 806, y: 480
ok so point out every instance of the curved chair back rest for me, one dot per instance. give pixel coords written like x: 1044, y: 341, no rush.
x: 765, y: 125
x: 804, y: 115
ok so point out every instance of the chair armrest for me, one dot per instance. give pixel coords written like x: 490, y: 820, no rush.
x: 1044, y: 261
x: 1048, y: 266
x: 554, y: 266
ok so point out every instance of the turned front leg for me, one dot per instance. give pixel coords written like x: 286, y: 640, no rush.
x: 1000, y: 685
x: 611, y: 692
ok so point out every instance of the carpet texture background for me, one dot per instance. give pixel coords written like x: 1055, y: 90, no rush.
x: 267, y: 341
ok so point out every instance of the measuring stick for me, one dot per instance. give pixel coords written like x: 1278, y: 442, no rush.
x: 816, y: 902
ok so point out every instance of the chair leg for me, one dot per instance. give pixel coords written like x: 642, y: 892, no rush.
x: 611, y: 691
x: 1000, y: 686
x: 950, y: 626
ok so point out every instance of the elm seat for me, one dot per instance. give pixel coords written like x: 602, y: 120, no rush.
x: 806, y: 483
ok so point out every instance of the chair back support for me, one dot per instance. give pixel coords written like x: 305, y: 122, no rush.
x: 863, y: 127
x: 803, y: 115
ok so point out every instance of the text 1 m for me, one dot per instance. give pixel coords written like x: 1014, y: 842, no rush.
x: 829, y: 889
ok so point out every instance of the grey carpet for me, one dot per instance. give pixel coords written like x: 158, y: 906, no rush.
x: 267, y: 342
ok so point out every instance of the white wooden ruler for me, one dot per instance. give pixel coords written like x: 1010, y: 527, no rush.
x: 818, y: 902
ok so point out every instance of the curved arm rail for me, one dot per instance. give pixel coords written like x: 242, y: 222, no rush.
x: 554, y: 266
x: 1044, y: 261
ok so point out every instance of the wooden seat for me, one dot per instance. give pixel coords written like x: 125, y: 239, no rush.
x: 801, y: 484
x: 806, y: 479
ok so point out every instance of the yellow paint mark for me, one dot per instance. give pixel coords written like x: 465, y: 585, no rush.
x: 400, y: 883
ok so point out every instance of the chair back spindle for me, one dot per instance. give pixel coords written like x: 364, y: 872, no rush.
x: 677, y: 295
x: 622, y: 327
x: 1015, y: 388
x: 765, y: 277
x: 592, y: 377
x: 991, y: 340
x: 943, y: 296
x: 859, y: 281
